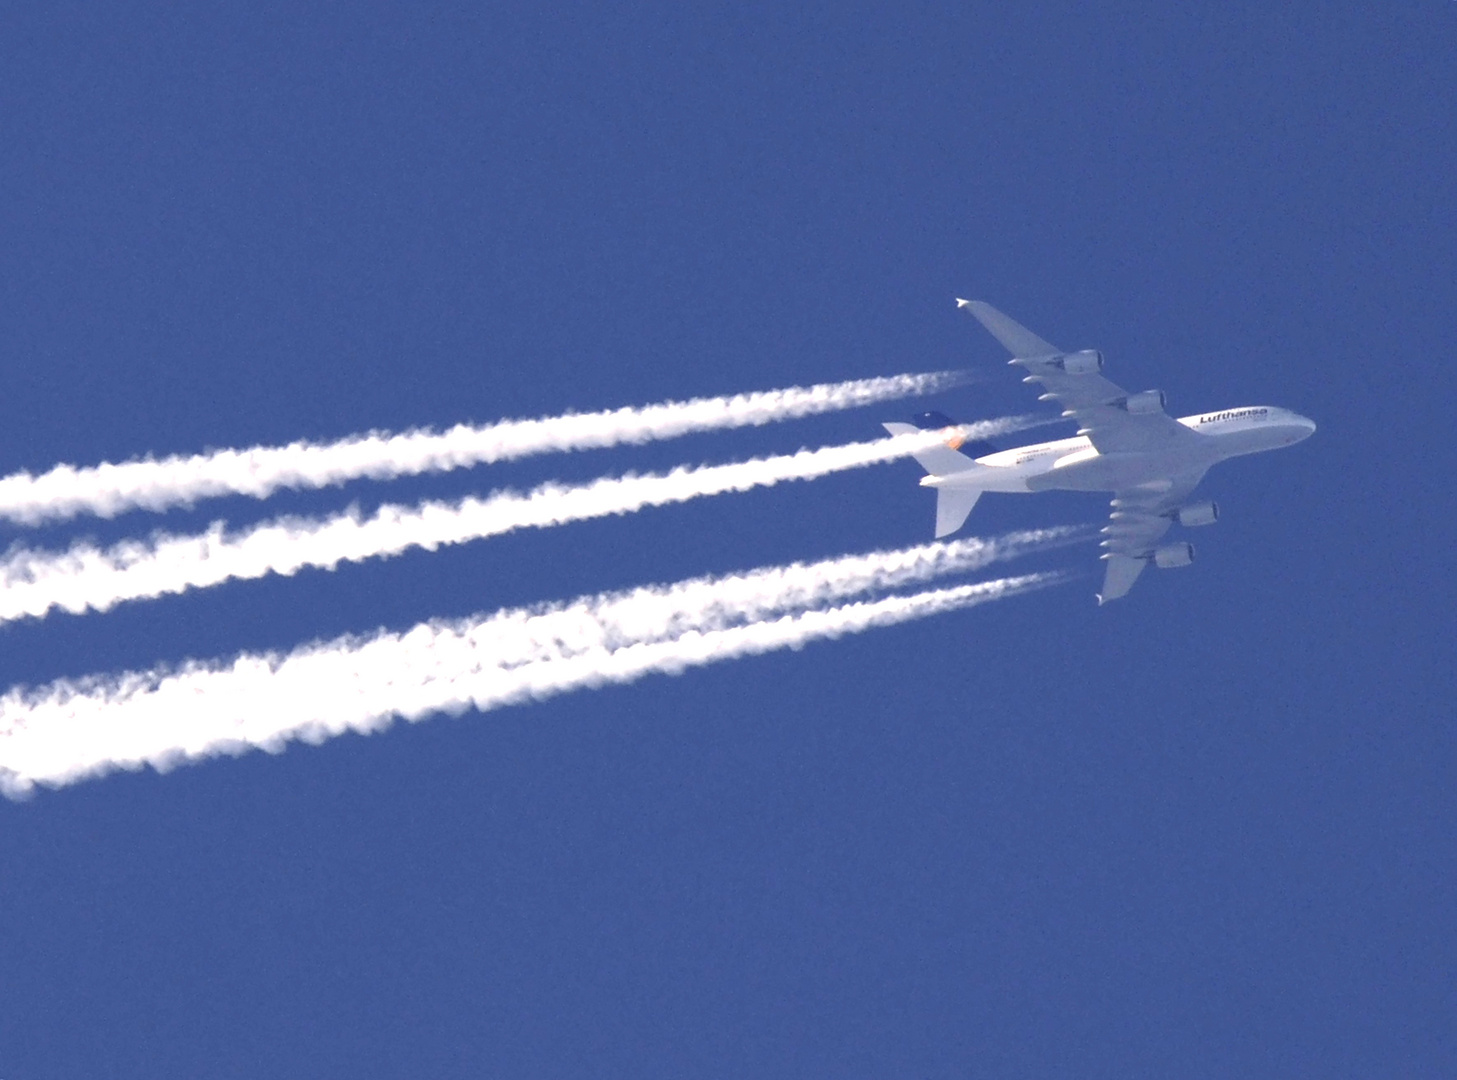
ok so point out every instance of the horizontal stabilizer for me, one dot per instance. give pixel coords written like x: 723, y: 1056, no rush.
x: 953, y: 504
x: 1123, y: 571
x: 1017, y: 338
x: 936, y: 460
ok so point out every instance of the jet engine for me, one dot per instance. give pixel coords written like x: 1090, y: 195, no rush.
x: 1087, y: 362
x: 1202, y: 513
x: 1171, y: 556
x: 1150, y: 401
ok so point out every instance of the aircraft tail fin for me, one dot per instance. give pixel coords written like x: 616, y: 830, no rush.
x: 953, y: 505
x: 972, y: 448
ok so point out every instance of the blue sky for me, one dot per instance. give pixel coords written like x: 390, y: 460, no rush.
x: 1207, y: 831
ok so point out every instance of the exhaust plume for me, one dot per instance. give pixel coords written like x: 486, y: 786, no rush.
x: 109, y: 489
x: 86, y: 577
x: 72, y: 729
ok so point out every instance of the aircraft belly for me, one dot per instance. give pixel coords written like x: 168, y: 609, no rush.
x: 1008, y: 481
x: 983, y: 478
x: 1105, y: 472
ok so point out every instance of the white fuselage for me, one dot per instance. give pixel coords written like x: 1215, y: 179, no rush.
x: 1076, y: 464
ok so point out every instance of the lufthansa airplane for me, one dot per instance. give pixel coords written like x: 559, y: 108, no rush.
x: 1126, y: 444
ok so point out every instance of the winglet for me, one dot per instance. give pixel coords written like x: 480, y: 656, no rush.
x: 1123, y: 571
x: 1019, y: 341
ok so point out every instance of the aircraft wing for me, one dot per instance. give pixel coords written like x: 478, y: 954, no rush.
x: 1114, y: 420
x: 1139, y: 520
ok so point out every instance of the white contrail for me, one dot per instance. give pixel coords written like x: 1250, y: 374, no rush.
x: 85, y: 577
x: 110, y: 489
x: 73, y: 729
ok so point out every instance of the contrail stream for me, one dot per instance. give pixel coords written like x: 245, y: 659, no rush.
x: 110, y: 489
x: 73, y: 729
x: 32, y: 582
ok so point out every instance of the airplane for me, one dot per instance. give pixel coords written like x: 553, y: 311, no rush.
x: 1126, y: 444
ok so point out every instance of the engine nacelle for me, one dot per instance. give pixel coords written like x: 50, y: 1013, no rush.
x: 1150, y: 401
x: 1086, y: 362
x: 1172, y: 556
x: 1203, y: 513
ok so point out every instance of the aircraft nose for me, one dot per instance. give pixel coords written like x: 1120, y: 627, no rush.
x: 1304, y: 426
